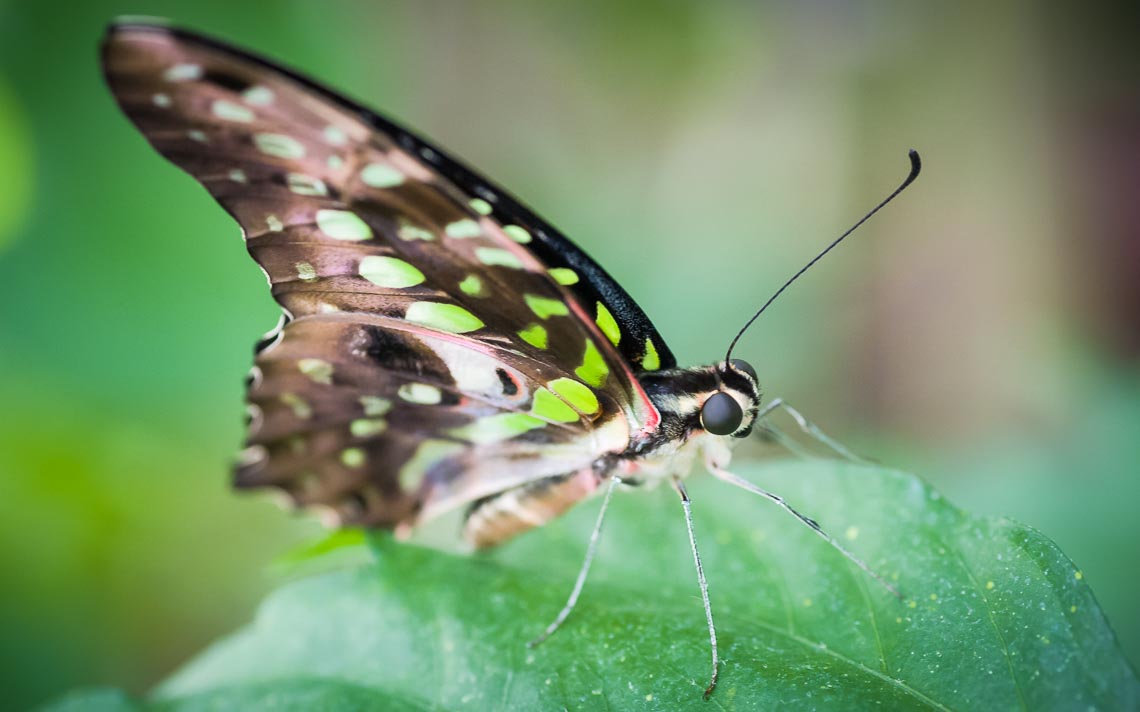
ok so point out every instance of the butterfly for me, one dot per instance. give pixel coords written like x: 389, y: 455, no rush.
x: 441, y: 347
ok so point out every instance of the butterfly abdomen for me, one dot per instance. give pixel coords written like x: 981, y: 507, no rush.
x: 492, y: 520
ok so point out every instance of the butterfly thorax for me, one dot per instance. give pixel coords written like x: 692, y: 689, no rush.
x: 678, y: 395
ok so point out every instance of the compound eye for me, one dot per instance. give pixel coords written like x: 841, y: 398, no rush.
x: 743, y: 366
x: 721, y: 414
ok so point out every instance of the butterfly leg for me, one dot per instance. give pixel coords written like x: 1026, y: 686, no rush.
x: 591, y: 550
x: 770, y: 433
x: 687, y: 504
x: 809, y: 428
x: 744, y: 484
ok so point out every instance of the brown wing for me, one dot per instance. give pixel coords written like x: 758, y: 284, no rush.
x: 391, y: 417
x: 428, y: 356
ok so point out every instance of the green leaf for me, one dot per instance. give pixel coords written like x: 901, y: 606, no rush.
x: 347, y: 542
x: 995, y: 616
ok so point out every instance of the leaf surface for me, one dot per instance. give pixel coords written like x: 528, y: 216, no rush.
x: 994, y: 616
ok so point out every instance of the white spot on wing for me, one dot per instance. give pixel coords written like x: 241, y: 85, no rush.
x: 252, y: 455
x: 279, y: 145
x: 258, y: 96
x: 306, y: 272
x: 182, y: 73
x: 256, y: 417
x: 229, y: 111
x: 335, y: 136
x: 486, y: 194
x: 302, y: 184
x: 472, y: 371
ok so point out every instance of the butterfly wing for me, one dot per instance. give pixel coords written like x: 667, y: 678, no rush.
x: 440, y: 343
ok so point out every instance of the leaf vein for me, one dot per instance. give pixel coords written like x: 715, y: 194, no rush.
x: 815, y: 647
x: 993, y: 624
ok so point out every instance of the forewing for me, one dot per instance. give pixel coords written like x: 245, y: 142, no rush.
x: 409, y: 286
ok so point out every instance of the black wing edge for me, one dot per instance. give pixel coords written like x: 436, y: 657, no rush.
x: 549, y: 242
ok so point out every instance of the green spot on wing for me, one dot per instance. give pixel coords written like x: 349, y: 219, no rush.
x: 319, y: 370
x: 343, y: 225
x: 298, y: 405
x: 375, y: 406
x: 352, y: 457
x: 367, y: 427
x: 535, y: 335
x: 472, y: 285
x: 494, y: 428
x: 544, y: 307
x: 517, y: 233
x: 462, y: 229
x: 422, y: 393
x: 445, y: 317
x: 480, y: 206
x: 576, y: 394
x: 381, y: 175
x: 497, y: 256
x: 548, y: 406
x: 390, y: 272
x: 593, y: 369
x: 563, y: 275
x: 650, y: 361
x: 408, y: 232
x: 608, y: 325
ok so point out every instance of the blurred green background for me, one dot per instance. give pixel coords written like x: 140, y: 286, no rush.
x: 984, y: 332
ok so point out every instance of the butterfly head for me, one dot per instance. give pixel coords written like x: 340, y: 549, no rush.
x: 732, y: 408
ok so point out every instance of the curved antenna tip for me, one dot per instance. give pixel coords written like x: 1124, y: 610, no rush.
x: 915, y: 166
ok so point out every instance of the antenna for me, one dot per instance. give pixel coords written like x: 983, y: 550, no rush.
x: 915, y: 168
